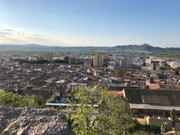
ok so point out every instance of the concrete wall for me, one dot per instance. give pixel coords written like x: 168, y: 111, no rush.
x: 159, y: 121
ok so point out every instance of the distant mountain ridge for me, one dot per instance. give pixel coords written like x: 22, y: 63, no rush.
x: 143, y: 47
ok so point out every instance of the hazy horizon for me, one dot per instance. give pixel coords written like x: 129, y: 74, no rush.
x: 90, y: 23
x: 75, y: 46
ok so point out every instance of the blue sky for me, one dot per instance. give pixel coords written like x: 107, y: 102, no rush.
x: 90, y: 22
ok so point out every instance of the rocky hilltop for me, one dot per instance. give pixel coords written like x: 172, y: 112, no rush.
x: 31, y: 121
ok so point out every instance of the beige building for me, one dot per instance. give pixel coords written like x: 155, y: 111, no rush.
x: 98, y: 60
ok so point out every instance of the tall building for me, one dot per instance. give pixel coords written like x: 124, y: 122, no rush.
x: 155, y: 65
x: 98, y: 60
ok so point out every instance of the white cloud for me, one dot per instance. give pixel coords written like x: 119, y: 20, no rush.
x: 26, y: 36
x: 16, y: 36
x: 19, y: 36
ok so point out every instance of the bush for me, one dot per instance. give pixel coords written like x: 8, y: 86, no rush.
x: 14, y: 100
x: 50, y: 101
x: 177, y: 70
x: 145, y: 128
x: 111, y: 117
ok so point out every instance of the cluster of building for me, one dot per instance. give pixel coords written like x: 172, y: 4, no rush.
x: 145, y: 81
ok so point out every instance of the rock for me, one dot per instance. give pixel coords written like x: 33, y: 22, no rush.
x: 31, y: 121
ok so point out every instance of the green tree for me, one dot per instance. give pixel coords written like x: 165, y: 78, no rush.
x: 111, y: 117
x: 14, y: 100
x: 50, y: 101
x: 60, y: 61
x: 105, y: 64
x: 39, y: 61
x: 177, y: 70
x: 167, y: 66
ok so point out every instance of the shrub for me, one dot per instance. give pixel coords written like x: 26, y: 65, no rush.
x: 15, y: 100
x: 50, y: 101
x: 145, y: 128
x: 111, y: 117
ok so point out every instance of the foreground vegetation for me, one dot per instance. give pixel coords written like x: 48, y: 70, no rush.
x: 14, y: 100
x: 111, y: 117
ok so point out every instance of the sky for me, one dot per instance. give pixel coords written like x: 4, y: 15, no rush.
x: 90, y: 22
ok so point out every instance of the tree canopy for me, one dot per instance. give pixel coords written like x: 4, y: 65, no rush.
x: 50, y: 101
x: 111, y: 117
x: 14, y: 100
x: 39, y: 61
